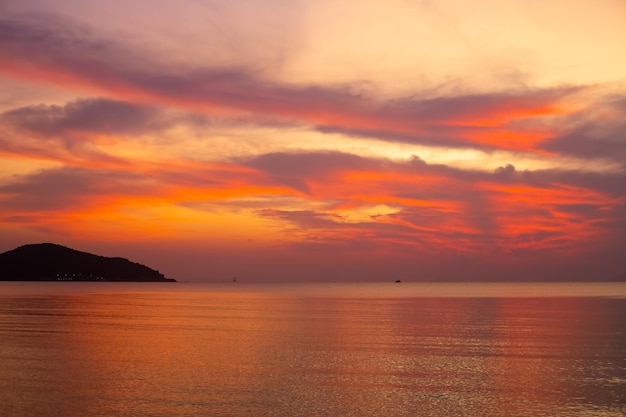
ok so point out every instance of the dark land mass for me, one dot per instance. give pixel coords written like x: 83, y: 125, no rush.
x: 50, y: 262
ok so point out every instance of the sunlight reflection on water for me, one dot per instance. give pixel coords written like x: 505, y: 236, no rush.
x: 102, y: 349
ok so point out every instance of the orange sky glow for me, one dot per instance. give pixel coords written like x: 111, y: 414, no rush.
x: 319, y: 140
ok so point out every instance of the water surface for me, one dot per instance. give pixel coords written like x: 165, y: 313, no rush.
x: 153, y: 349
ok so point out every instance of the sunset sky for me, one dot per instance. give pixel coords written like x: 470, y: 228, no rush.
x: 319, y: 140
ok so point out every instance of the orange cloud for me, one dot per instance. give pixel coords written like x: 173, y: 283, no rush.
x: 559, y: 217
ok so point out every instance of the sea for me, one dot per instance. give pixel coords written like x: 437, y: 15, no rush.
x: 90, y: 349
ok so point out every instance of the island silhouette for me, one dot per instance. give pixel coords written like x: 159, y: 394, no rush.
x: 52, y: 262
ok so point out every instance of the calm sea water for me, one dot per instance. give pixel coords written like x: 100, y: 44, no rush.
x: 115, y: 349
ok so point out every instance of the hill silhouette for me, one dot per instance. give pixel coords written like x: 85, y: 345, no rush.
x: 51, y: 262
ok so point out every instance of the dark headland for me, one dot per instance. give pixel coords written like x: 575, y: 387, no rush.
x: 50, y: 262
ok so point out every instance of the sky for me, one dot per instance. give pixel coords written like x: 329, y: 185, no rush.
x: 326, y: 140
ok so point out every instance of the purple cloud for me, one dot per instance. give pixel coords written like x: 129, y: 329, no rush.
x: 88, y: 115
x: 67, y: 188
